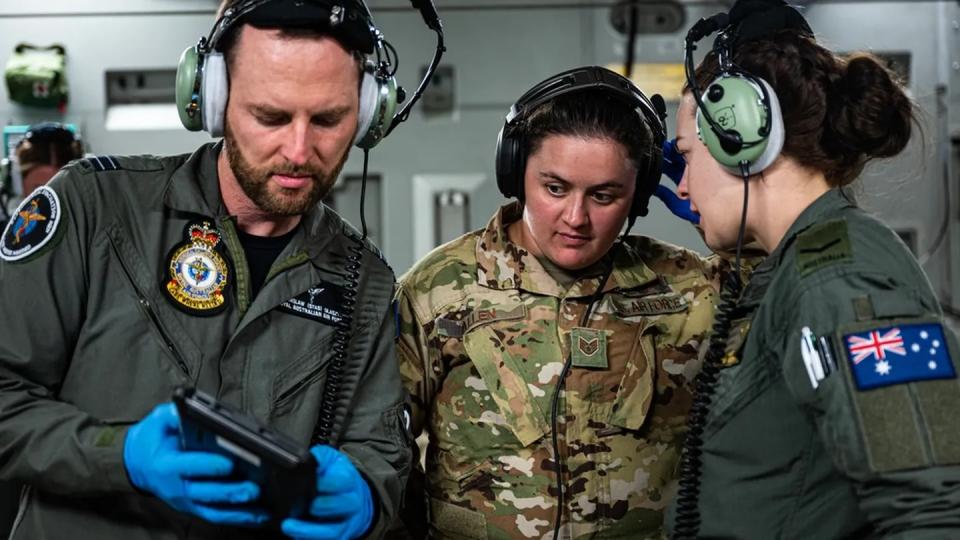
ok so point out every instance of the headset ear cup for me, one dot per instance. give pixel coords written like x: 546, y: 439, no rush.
x: 509, y: 171
x: 378, y: 103
x: 737, y: 106
x: 187, y: 97
x: 775, y: 138
x: 214, y: 92
x: 368, y: 105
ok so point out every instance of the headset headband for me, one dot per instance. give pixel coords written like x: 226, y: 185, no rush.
x: 751, y: 20
x: 586, y: 79
x: 348, y: 20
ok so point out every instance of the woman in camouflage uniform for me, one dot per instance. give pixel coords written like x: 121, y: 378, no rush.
x: 546, y: 297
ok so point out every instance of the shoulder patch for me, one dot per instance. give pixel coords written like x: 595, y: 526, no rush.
x: 902, y: 378
x: 823, y: 245
x: 33, y: 225
x: 884, y: 354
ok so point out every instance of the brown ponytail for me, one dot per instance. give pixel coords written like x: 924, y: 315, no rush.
x: 838, y: 112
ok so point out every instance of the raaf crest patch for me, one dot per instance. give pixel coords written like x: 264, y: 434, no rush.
x: 197, y: 271
x: 32, y: 226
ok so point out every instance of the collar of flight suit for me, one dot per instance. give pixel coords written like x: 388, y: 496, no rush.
x: 825, y: 205
x: 502, y: 264
x: 195, y: 188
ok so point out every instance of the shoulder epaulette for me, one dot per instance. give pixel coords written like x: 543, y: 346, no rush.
x: 822, y: 245
x: 104, y: 163
x: 372, y: 248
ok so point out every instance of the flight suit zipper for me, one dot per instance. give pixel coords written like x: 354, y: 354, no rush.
x: 240, y: 269
x: 309, y: 379
x: 147, y: 310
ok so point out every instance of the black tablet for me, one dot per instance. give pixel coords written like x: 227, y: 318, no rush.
x: 284, y: 470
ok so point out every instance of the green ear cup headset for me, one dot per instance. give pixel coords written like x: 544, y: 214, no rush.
x: 738, y: 116
x: 202, y: 82
x: 202, y: 90
x: 746, y: 110
x: 740, y: 123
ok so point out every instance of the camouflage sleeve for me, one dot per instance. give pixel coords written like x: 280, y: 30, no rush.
x: 886, y: 412
x: 413, y: 354
x: 718, y: 264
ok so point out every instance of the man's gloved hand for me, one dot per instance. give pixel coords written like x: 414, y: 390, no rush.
x: 156, y: 464
x: 673, y: 166
x: 343, y: 507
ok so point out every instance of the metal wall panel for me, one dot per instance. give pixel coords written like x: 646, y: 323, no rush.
x: 499, y: 48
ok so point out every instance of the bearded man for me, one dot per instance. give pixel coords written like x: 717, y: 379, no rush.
x: 219, y: 270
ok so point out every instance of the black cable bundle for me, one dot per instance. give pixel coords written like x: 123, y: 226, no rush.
x: 326, y: 429
x: 687, y: 524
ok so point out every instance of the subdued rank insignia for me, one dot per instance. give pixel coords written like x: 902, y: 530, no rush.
x: 104, y: 163
x: 824, y: 244
x: 323, y: 303
x: 198, y: 272
x: 588, y: 348
x: 33, y: 225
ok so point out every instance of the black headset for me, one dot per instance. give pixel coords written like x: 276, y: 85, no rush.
x: 511, y: 156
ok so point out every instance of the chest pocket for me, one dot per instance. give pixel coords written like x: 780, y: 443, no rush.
x: 631, y: 406
x: 639, y: 320
x: 502, y: 344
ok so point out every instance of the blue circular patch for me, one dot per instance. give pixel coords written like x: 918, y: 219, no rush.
x: 33, y: 224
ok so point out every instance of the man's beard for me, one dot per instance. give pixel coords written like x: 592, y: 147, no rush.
x: 256, y: 182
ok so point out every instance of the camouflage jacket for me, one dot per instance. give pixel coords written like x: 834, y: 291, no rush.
x: 484, y: 334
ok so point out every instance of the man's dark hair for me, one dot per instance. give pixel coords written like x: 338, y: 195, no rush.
x: 228, y: 42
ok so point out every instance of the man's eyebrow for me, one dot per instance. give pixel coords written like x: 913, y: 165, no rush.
x: 332, y: 112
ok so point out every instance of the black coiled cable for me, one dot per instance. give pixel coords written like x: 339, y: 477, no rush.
x: 327, y: 421
x: 332, y: 391
x: 687, y: 519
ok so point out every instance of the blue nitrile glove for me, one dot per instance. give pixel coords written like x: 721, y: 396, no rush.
x: 343, y: 507
x: 156, y: 464
x: 673, y: 166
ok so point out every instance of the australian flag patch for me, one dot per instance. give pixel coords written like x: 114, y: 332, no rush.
x: 898, y: 354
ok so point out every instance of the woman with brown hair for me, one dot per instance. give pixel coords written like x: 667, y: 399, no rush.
x: 827, y: 403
